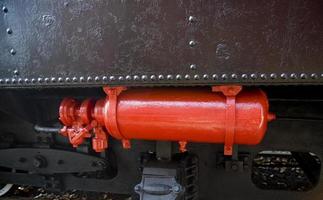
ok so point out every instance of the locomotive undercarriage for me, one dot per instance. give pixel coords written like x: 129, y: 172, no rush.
x: 41, y: 157
x: 163, y: 99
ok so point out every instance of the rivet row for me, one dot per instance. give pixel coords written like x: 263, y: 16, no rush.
x: 177, y: 77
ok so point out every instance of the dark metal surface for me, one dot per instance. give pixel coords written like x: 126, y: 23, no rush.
x: 298, y: 128
x: 159, y: 42
x: 50, y: 161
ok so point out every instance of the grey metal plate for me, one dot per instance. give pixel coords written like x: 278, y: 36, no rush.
x: 155, y: 42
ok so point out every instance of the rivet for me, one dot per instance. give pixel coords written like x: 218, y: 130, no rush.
x: 53, y: 79
x: 128, y: 78
x: 205, y: 76
x: 13, y: 81
x: 263, y: 76
x: 191, y: 19
x: 89, y: 79
x: 314, y: 76
x: 97, y: 79
x: 9, y: 31
x: 283, y: 76
x: 215, y: 76
x: 33, y: 80
x: 7, y: 80
x: 121, y: 78
x: 293, y: 76
x: 178, y: 77
x: 234, y: 76
x: 253, y: 76
x: 192, y: 43
x: 153, y: 77
x: 16, y: 72
x: 26, y: 80
x: 82, y: 79
x: 224, y: 76
x: 40, y: 80
x: 160, y: 77
x: 144, y: 77
x: 196, y: 77
x: 60, y: 79
x: 13, y: 52
x: 244, y: 76
x: 1, y: 81
x: 193, y: 66
x: 19, y: 80
x: 136, y: 77
x: 303, y: 76
x: 169, y: 77
x: 105, y: 78
x: 67, y: 79
x: 273, y: 76
x: 321, y: 75
x: 4, y: 9
x: 187, y: 77
x: 46, y: 80
x: 112, y: 78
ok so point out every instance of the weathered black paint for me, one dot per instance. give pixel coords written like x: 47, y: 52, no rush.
x: 253, y: 42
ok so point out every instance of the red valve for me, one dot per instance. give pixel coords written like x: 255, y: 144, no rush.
x: 229, y: 115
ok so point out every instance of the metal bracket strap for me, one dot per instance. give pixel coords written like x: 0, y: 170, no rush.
x: 230, y: 92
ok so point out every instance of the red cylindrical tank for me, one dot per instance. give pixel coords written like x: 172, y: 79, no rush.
x: 178, y: 114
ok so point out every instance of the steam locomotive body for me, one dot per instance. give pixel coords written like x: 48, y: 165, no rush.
x: 163, y: 99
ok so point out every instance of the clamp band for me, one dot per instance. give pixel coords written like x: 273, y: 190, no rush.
x: 111, y: 121
x: 230, y: 116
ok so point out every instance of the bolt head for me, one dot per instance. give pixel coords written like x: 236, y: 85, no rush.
x: 224, y: 76
x: 191, y: 19
x: 9, y: 30
x: 193, y: 66
x: 13, y: 52
x: 161, y: 77
x: 153, y: 77
x: 16, y: 72
x: 169, y: 77
x: 120, y: 78
x: 136, y: 77
x: 4, y: 9
x: 192, y: 43
x: 144, y: 77
x: 128, y: 78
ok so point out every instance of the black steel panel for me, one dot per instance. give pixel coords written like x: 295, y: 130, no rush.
x: 154, y: 42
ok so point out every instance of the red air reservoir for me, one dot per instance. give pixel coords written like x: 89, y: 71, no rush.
x: 223, y: 114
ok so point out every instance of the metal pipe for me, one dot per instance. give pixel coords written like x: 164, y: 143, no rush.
x: 45, y: 129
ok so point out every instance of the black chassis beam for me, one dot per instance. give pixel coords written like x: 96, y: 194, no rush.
x: 46, y: 43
